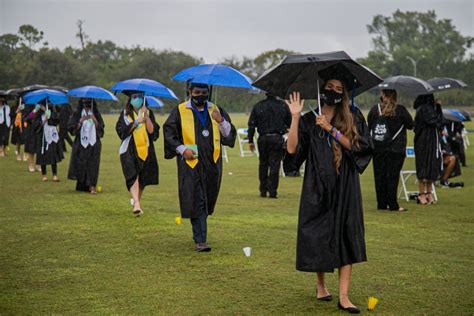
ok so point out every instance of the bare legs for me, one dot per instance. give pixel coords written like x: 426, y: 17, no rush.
x: 136, y: 193
x: 344, y: 282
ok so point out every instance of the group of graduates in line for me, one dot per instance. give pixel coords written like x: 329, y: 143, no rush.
x: 336, y: 145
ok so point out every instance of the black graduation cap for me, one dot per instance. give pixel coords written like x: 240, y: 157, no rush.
x: 341, y: 73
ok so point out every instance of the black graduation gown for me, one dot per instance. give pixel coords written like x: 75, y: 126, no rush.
x: 53, y: 154
x: 18, y: 133
x: 85, y: 162
x: 428, y: 158
x: 132, y: 166
x: 330, y: 222
x: 4, y: 129
x: 207, y: 175
x: 30, y: 135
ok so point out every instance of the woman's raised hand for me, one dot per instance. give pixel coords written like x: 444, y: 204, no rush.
x: 295, y: 103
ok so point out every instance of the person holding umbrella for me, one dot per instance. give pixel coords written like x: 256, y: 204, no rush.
x: 335, y: 143
x: 18, y: 129
x: 428, y: 155
x: 87, y: 125
x: 388, y: 122
x: 5, y: 123
x: 138, y: 130
x: 45, y: 120
x: 194, y: 133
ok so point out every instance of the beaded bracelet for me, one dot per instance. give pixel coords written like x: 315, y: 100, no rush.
x: 338, y: 135
x: 332, y: 129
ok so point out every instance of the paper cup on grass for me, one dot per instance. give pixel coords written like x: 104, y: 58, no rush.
x: 99, y: 188
x: 177, y: 220
x: 247, y: 251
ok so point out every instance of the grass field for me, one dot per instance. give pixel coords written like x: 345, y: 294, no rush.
x: 64, y: 252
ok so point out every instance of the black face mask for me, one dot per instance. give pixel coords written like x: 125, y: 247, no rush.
x: 330, y: 97
x: 200, y: 100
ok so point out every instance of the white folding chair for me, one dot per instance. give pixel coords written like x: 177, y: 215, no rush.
x: 465, y: 138
x: 242, y: 138
x: 224, y: 154
x: 405, y: 175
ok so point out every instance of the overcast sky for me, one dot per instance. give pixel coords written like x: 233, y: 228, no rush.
x: 213, y: 29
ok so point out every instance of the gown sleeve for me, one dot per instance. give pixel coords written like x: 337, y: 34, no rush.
x: 230, y: 139
x: 171, y: 132
x: 72, y: 123
x: 123, y: 130
x: 407, y: 119
x: 304, y: 142
x: 156, y: 128
x: 361, y: 152
x: 100, y: 129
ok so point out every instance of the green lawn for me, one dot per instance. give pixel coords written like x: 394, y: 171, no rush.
x: 68, y: 252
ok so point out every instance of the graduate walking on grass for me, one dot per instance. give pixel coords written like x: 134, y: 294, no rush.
x: 87, y: 125
x: 335, y: 144
x: 5, y: 123
x: 138, y: 130
x: 194, y: 133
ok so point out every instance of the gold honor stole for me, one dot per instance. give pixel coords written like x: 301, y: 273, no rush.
x: 188, y: 132
x: 140, y: 138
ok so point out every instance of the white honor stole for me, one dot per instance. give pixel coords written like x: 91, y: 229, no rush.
x: 88, y: 131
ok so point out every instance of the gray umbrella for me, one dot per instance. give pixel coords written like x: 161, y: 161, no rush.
x: 441, y: 84
x: 406, y: 84
x: 448, y: 115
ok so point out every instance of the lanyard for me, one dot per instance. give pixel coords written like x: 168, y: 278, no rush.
x: 202, y: 116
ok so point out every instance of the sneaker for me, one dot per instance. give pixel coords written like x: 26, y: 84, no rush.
x: 444, y: 184
x: 203, y: 247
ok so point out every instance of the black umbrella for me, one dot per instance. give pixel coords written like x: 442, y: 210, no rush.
x: 406, y: 84
x: 304, y: 73
x: 451, y: 116
x: 3, y: 93
x: 34, y: 87
x: 13, y: 92
x: 441, y: 84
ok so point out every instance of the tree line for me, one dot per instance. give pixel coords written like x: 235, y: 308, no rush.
x: 401, y: 42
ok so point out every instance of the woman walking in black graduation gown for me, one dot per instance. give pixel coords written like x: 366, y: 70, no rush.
x: 48, y: 149
x: 30, y: 136
x: 388, y: 123
x: 18, y: 129
x: 137, y: 128
x: 336, y: 147
x: 87, y: 125
x: 428, y: 154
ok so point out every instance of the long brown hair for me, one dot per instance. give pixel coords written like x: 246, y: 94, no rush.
x: 388, y: 108
x: 344, y: 122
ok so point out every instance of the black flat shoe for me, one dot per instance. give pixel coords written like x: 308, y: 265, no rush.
x: 350, y: 310
x: 326, y: 298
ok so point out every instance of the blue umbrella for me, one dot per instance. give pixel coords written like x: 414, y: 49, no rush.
x: 52, y: 97
x: 214, y: 75
x: 458, y: 114
x: 153, y: 102
x: 92, y: 92
x: 147, y: 86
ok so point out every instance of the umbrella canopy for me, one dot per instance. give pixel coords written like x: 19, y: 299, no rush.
x: 441, y: 84
x: 147, y: 86
x: 13, y: 92
x: 3, y: 93
x: 92, y: 92
x: 304, y: 73
x: 214, y: 75
x: 52, y: 96
x: 466, y: 114
x: 153, y: 102
x: 23, y: 91
x: 407, y: 84
x: 453, y: 116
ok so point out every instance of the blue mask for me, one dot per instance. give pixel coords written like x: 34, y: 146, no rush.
x: 137, y: 102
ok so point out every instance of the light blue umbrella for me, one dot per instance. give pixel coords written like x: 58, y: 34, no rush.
x: 214, y: 75
x: 51, y: 96
x: 153, y: 102
x: 92, y: 92
x: 147, y: 86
